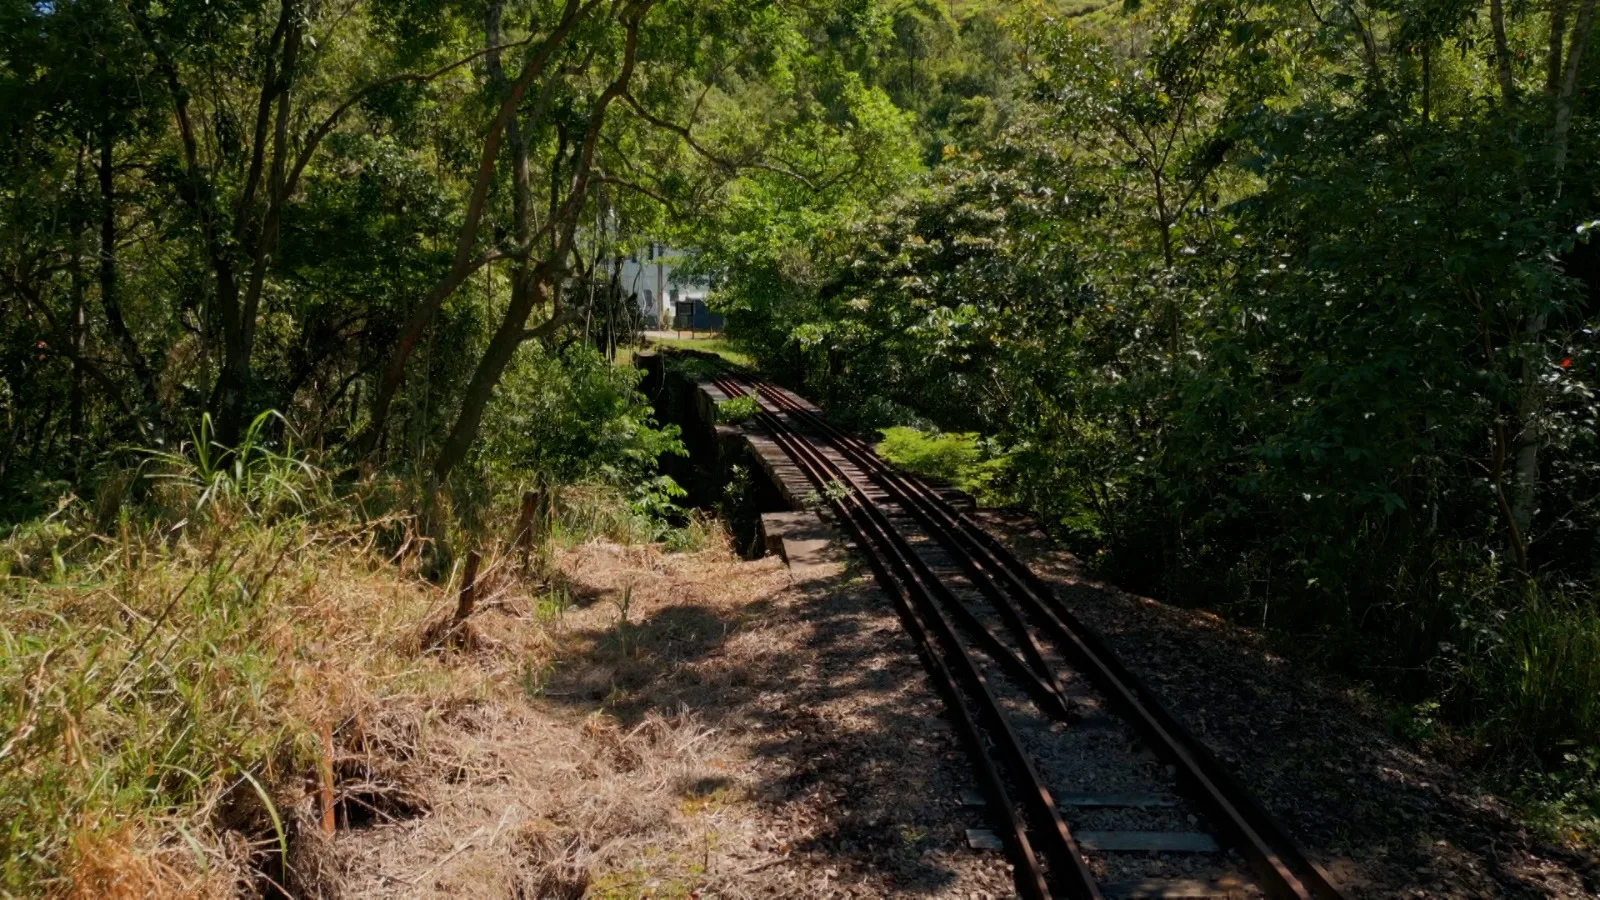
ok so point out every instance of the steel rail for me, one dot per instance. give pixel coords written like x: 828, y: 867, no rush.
x: 1031, y: 669
x: 914, y: 586
x: 1030, y: 876
x: 1047, y: 694
x: 1272, y: 852
x: 1059, y: 847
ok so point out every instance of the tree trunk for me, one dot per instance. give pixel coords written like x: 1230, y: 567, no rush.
x: 507, y: 338
x: 110, y: 300
x: 199, y: 193
x: 526, y: 283
x: 1561, y: 125
x: 1530, y: 405
x: 462, y: 264
x: 79, y: 290
x: 1502, y: 52
x: 1427, y: 82
x: 667, y: 314
x: 236, y: 370
x: 1530, y: 408
x: 240, y: 309
x: 521, y: 179
x: 1558, y: 30
x: 511, y: 332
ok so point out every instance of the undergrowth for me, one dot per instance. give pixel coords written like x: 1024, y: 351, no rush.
x: 172, y: 649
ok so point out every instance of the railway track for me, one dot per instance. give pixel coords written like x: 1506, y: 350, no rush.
x: 1028, y: 689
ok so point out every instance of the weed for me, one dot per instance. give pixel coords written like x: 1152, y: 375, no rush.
x: 252, y: 479
x: 1417, y: 723
x: 554, y: 604
x: 623, y: 628
x: 1563, y: 802
x: 832, y: 491
x: 912, y: 835
x: 1530, y: 675
x: 534, y: 679
x: 735, y: 491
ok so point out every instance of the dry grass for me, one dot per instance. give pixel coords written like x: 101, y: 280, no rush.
x: 554, y: 783
x: 166, y: 679
x: 163, y: 701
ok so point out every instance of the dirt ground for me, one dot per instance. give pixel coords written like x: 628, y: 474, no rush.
x: 703, y: 726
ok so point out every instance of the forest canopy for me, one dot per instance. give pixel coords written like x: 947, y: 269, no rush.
x: 359, y: 214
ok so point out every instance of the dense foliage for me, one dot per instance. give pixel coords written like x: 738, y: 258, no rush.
x: 1281, y: 309
x: 291, y: 293
x: 366, y: 216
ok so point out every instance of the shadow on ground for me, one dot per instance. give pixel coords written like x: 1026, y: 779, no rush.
x: 852, y: 752
x: 1386, y: 820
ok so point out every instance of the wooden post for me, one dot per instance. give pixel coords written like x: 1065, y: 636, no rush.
x: 524, y: 537
x: 326, y: 767
x: 469, y: 585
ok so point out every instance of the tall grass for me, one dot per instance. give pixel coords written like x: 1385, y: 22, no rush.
x: 252, y: 479
x: 161, y: 679
x: 171, y: 649
x: 1530, y: 673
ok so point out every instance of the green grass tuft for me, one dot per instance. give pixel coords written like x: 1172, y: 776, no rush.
x: 715, y: 345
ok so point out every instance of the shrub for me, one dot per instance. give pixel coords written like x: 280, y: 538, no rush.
x: 572, y: 417
x: 959, y: 459
x: 1529, y: 674
x: 738, y: 410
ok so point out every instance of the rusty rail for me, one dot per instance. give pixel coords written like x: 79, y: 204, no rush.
x: 1016, y: 590
x: 913, y: 586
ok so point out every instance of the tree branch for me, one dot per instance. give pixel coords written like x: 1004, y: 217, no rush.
x: 1502, y: 53
x: 603, y: 178
x: 328, y: 124
x: 727, y: 165
x: 63, y: 340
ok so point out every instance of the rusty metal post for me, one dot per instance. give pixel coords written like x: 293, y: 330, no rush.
x: 469, y: 586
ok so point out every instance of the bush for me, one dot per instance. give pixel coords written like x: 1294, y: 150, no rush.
x: 568, y: 418
x: 962, y: 460
x: 738, y: 410
x: 1528, y: 674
